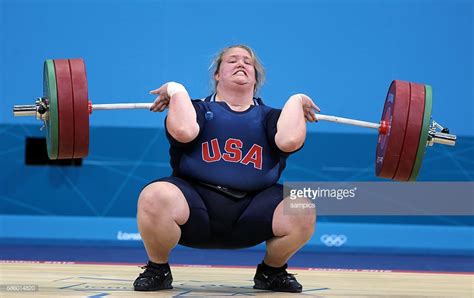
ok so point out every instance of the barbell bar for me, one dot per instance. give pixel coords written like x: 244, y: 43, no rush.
x: 404, y: 132
x: 31, y: 110
x: 436, y: 137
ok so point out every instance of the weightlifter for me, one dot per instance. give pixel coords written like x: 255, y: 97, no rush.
x: 227, y: 154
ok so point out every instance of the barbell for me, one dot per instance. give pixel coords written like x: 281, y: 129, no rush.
x: 404, y: 131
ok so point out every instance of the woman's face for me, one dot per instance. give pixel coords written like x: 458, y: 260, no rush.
x: 237, y: 67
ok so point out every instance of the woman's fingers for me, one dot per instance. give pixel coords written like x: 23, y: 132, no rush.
x: 311, y: 117
x: 160, y: 103
x: 309, y: 114
x: 315, y: 107
x: 308, y: 102
x: 158, y: 91
x: 162, y: 106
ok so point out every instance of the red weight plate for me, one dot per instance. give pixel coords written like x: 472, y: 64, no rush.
x: 412, y: 133
x: 395, y: 113
x: 81, y: 109
x: 65, y: 109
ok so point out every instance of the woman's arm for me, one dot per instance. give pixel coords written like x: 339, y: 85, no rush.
x: 291, y: 126
x: 181, y: 120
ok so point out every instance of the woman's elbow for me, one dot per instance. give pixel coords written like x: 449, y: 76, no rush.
x: 290, y: 143
x: 185, y: 134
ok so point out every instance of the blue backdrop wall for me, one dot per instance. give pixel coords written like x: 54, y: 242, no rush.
x: 342, y: 53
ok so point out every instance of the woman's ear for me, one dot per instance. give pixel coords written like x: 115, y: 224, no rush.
x: 216, y: 76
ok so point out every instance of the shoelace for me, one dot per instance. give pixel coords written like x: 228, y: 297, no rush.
x: 149, y: 271
x: 283, y: 277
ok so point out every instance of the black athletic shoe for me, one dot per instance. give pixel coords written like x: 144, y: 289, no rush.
x: 154, y: 279
x: 276, y: 280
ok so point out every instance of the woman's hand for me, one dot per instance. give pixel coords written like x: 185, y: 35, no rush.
x: 162, y: 101
x: 309, y: 108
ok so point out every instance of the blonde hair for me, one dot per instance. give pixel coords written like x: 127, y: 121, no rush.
x: 259, y: 70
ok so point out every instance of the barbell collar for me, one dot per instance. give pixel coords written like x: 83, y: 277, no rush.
x: 440, y: 135
x: 24, y: 110
x: 441, y: 138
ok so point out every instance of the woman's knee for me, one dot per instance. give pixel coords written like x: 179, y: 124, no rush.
x: 163, y: 199
x: 307, y: 220
x: 294, y: 217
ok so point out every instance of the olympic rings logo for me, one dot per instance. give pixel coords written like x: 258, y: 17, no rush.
x: 333, y: 240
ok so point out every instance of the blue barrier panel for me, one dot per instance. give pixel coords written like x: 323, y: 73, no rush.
x: 330, y: 237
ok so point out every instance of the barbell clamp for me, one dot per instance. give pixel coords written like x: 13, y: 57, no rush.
x: 440, y: 135
x: 39, y: 109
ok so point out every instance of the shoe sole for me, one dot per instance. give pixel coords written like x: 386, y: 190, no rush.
x: 166, y: 286
x: 263, y: 286
x: 153, y: 289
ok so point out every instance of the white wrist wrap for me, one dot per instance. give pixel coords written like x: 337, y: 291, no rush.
x: 173, y: 88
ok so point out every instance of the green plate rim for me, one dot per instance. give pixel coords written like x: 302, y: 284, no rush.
x: 50, y: 92
x: 424, y: 133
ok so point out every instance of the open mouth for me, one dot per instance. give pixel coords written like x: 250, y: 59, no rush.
x: 241, y: 71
